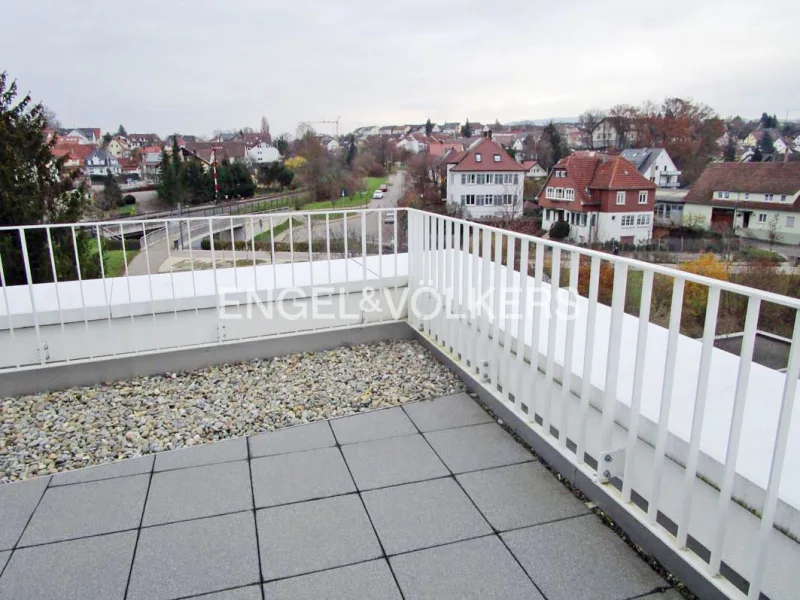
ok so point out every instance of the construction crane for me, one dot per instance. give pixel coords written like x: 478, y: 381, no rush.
x: 336, y: 122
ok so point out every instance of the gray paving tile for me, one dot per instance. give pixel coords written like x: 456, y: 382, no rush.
x: 420, y: 515
x: 195, y: 557
x: 449, y: 411
x: 392, y: 461
x: 670, y: 594
x: 206, y: 454
x: 581, y: 554
x: 120, y: 468
x: 198, y: 492
x: 95, y: 567
x: 482, y: 568
x: 366, y: 581
x: 300, y: 476
x: 310, y: 536
x: 520, y: 495
x: 292, y: 439
x: 374, y: 425
x: 477, y: 447
x: 83, y: 509
x: 17, y: 502
x: 251, y: 592
x: 4, y: 558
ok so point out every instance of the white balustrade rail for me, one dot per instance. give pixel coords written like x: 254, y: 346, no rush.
x: 698, y: 445
x: 59, y: 304
x: 701, y: 447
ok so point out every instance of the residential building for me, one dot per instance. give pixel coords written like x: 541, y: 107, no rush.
x: 533, y: 169
x: 756, y: 199
x: 130, y: 168
x: 485, y: 180
x: 654, y: 164
x: 438, y: 147
x: 142, y: 140
x: 80, y: 135
x: 451, y: 128
x: 606, y: 135
x: 119, y: 147
x: 669, y: 206
x: 151, y: 162
x: 101, y: 162
x: 235, y: 150
x: 603, y: 198
x: 75, y: 154
x: 263, y: 153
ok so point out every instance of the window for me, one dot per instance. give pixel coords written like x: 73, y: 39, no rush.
x: 628, y: 220
x: 642, y: 220
x: 559, y: 193
x: 769, y: 197
x: 643, y: 197
x: 583, y: 220
x: 570, y: 194
x: 468, y: 200
x: 762, y: 218
x: 747, y: 196
x: 463, y: 178
x: 719, y: 194
x: 481, y: 178
x: 510, y: 199
x: 727, y: 195
x: 547, y: 214
x: 479, y: 200
x: 594, y: 219
x: 789, y: 221
x: 783, y: 197
x: 516, y: 180
x: 620, y: 198
x: 496, y: 158
x: 549, y: 193
x: 498, y: 178
x: 478, y: 157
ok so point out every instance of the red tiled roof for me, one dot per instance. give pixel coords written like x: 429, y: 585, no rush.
x: 617, y: 173
x: 73, y: 151
x: 529, y: 164
x: 757, y: 178
x: 487, y: 148
x: 579, y: 170
x: 128, y: 164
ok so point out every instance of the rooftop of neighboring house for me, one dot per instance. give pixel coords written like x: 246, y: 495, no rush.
x: 87, y: 132
x: 641, y: 158
x: 529, y: 164
x: 236, y: 149
x: 128, y: 164
x: 586, y: 171
x: 143, y: 137
x: 100, y: 154
x: 486, y: 155
x: 438, y: 147
x: 74, y: 151
x: 748, y: 177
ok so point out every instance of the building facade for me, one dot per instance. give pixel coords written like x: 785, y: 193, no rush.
x: 757, y: 200
x: 603, y: 198
x: 654, y: 164
x: 485, y: 181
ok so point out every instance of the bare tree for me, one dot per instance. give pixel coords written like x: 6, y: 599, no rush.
x: 264, y: 125
x: 774, y: 235
x: 622, y: 118
x: 588, y: 122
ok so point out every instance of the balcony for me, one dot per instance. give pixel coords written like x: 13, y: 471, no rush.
x: 690, y: 450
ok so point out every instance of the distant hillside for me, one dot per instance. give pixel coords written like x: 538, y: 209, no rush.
x: 545, y: 121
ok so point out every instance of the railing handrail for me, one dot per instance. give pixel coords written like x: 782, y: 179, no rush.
x: 332, y: 211
x: 727, y: 286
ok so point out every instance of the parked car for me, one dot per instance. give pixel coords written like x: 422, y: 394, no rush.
x: 377, y: 195
x: 384, y: 187
x: 388, y: 218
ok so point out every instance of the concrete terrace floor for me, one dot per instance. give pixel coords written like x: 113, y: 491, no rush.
x: 428, y: 500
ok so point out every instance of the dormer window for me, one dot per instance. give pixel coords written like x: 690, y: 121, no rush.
x: 496, y: 158
x: 477, y: 157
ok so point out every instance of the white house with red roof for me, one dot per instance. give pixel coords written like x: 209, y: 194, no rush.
x: 603, y: 198
x: 485, y: 180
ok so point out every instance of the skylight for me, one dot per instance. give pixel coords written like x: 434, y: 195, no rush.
x: 477, y: 157
x: 496, y: 158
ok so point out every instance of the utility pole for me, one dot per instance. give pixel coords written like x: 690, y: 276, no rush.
x: 214, y: 171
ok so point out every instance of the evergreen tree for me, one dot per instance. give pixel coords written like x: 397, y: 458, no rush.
x: 351, y: 151
x: 199, y: 183
x: 33, y: 191
x: 428, y: 127
x: 112, y: 194
x: 729, y: 154
x: 466, y: 130
x: 121, y: 131
x: 758, y: 156
x: 766, y: 145
x: 167, y: 180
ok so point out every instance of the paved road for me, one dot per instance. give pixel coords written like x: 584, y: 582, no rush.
x: 373, y: 224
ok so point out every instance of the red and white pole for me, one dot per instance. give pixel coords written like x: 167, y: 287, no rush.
x: 214, y: 170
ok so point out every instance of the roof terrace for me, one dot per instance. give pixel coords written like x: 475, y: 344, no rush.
x: 691, y: 451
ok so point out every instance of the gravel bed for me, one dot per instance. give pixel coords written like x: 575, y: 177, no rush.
x: 79, y: 427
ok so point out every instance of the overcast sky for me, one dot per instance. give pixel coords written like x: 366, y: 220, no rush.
x: 197, y: 66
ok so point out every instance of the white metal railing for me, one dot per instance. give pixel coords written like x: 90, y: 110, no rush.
x: 696, y: 444
x: 59, y: 302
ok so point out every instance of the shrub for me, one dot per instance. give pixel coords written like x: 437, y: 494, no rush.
x: 759, y: 254
x: 132, y: 244
x: 559, y: 230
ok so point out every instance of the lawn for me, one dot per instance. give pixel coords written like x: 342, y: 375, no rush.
x: 277, y: 230
x: 113, y: 265
x: 128, y: 210
x: 356, y: 200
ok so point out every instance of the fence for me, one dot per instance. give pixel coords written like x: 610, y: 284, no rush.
x: 693, y: 443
